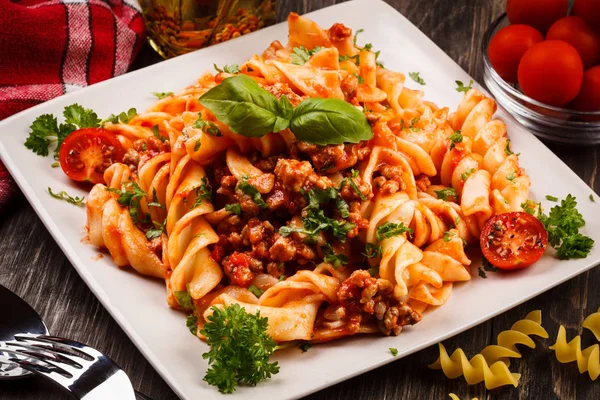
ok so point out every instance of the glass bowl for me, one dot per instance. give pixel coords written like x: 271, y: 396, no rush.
x: 555, y: 124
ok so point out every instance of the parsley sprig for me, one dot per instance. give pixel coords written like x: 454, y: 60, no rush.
x: 239, y: 348
x: 62, y: 195
x: 130, y: 196
x: 45, y: 130
x: 207, y: 127
x: 300, y: 55
x: 562, y: 224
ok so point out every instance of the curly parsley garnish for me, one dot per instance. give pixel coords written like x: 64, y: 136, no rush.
x: 62, y: 195
x: 562, y: 224
x: 239, y: 348
x: 415, y: 76
x: 45, y: 130
x: 123, y: 117
x: 192, y: 323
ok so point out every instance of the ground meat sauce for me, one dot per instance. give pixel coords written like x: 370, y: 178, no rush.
x: 251, y: 243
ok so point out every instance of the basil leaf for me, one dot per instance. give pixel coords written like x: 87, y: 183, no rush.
x: 246, y: 108
x: 329, y: 121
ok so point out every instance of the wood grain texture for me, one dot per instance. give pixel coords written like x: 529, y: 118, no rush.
x: 32, y: 265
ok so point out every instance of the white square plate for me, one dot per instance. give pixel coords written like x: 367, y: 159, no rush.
x: 138, y: 304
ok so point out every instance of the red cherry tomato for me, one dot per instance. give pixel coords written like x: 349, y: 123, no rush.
x: 551, y: 72
x: 537, y: 13
x: 88, y: 152
x: 576, y: 32
x: 589, y: 10
x: 508, y: 46
x: 588, y: 98
x: 513, y: 240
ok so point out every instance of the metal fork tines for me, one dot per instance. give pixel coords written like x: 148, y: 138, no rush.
x: 81, y: 370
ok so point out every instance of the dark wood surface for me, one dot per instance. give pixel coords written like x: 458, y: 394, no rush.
x: 32, y: 265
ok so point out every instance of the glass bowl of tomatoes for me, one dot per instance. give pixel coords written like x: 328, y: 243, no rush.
x: 562, y: 124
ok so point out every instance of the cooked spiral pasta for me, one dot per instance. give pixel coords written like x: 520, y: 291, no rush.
x: 588, y: 360
x: 356, y: 237
x: 592, y: 322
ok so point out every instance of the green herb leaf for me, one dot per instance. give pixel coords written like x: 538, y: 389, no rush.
x: 235, y: 208
x: 592, y: 198
x: 80, y: 117
x: 390, y: 229
x: 256, y: 291
x: 300, y: 55
x: 456, y: 137
x: 157, y: 231
x: 486, y: 266
x: 192, y: 323
x: 203, y: 192
x: 465, y: 175
x: 462, y: 88
x: 449, y: 235
x: 44, y: 132
x: 359, y: 78
x: 123, y: 117
x: 156, y: 133
x: 372, y: 250
x: 446, y: 193
x: 62, y: 195
x: 129, y: 196
x: 184, y: 299
x: 246, y: 108
x: 350, y: 181
x: 394, y: 351
x: 162, y: 95
x: 331, y: 257
x: 55, y: 164
x: 207, y: 127
x: 530, y: 207
x: 562, y: 225
x: 329, y: 121
x: 415, y: 76
x: 507, y: 149
x: 230, y: 69
x: 551, y: 198
x: 253, y: 192
x: 239, y: 348
x: 305, y: 346
x: 511, y: 177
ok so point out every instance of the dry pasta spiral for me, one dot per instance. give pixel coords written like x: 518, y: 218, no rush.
x: 592, y: 322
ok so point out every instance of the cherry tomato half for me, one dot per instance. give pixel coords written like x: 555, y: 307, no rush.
x: 537, y: 13
x: 588, y: 98
x: 551, y: 72
x: 589, y: 10
x: 576, y: 32
x: 513, y: 240
x: 88, y: 152
x: 508, y: 46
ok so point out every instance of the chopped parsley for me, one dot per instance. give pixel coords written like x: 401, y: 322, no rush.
x: 235, y: 208
x: 207, y: 127
x: 465, y: 175
x: 157, y: 231
x: 360, y: 78
x: 373, y: 271
x: 446, y: 193
x: 331, y: 257
x: 203, y: 192
x: 230, y: 69
x: 460, y: 87
x: 305, y: 346
x: 456, y: 137
x: 485, y: 266
x: 239, y: 348
x: 123, y: 117
x: 197, y: 145
x: 390, y: 229
x: 394, y: 351
x: 156, y: 133
x: 562, y: 224
x: 56, y: 164
x: 129, y: 196
x: 372, y: 250
x: 551, y: 198
x: 300, y: 55
x: 507, y: 149
x: 192, y: 323
x: 155, y: 202
x: 350, y: 181
x: 415, y: 76
x: 592, y: 198
x: 184, y: 299
x: 530, y: 207
x: 256, y: 291
x: 62, y: 195
x: 251, y: 191
x: 512, y: 176
x: 346, y: 57
x: 162, y: 95
x: 449, y: 235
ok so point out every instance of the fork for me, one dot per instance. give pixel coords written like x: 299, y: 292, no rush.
x: 83, y: 371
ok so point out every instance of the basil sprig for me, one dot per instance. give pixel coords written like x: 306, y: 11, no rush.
x: 251, y: 111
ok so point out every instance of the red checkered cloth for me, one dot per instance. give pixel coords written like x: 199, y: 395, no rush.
x: 52, y: 47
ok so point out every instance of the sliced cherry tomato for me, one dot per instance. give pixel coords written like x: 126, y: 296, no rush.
x: 576, y: 32
x: 88, y: 152
x: 513, y: 240
x: 589, y: 10
x: 551, y: 72
x: 508, y: 46
x: 537, y: 13
x: 588, y: 98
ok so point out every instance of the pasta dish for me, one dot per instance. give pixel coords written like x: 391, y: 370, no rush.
x: 310, y: 184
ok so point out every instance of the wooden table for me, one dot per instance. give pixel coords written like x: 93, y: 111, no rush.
x: 32, y: 265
